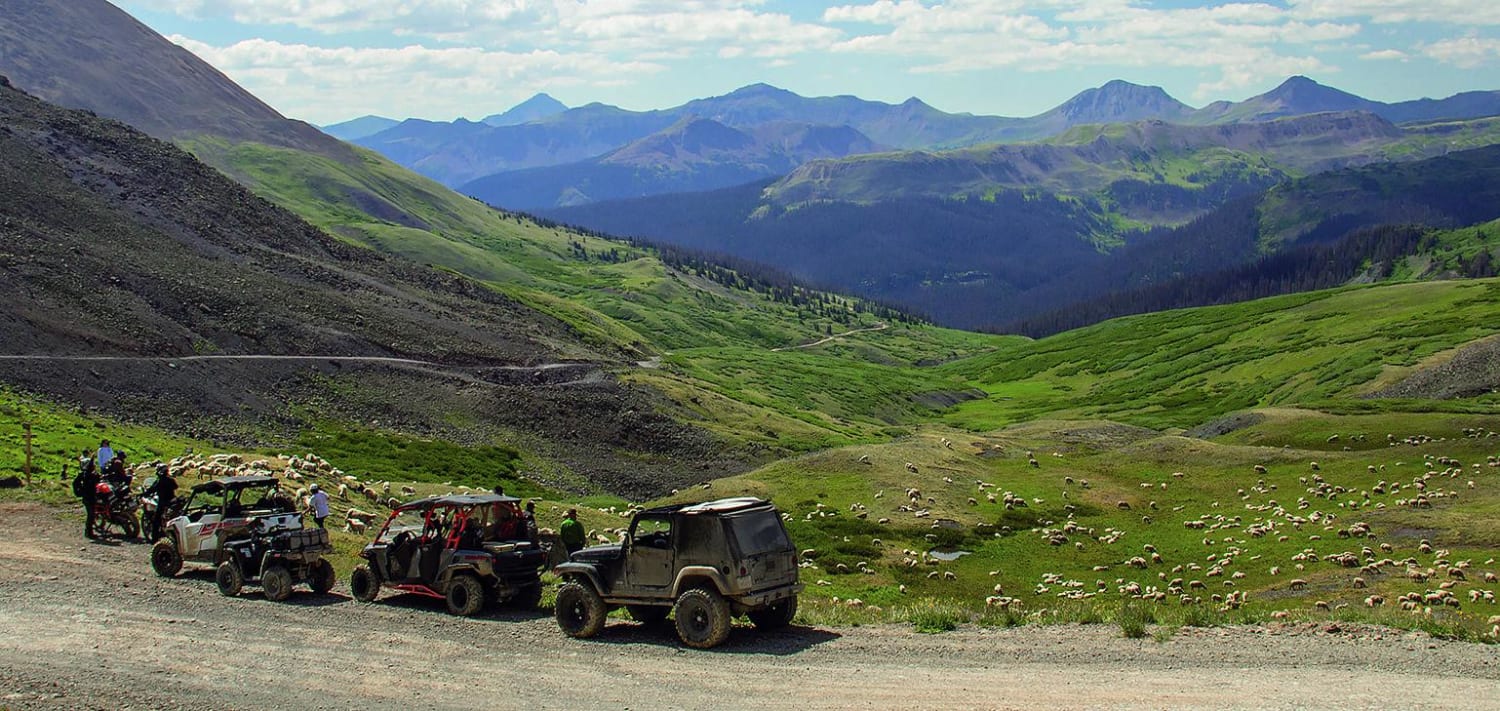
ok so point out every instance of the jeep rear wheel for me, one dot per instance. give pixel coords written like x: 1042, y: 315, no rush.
x: 649, y: 614
x: 165, y: 559
x: 320, y: 576
x: 465, y: 595
x: 363, y: 584
x: 778, y: 615
x: 276, y: 582
x: 580, y: 610
x: 702, y: 618
x: 229, y: 578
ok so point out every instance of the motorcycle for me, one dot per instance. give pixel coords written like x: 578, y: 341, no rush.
x: 148, y: 511
x: 115, y: 510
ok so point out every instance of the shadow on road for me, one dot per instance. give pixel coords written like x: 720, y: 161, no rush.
x: 793, y: 639
x: 423, y: 603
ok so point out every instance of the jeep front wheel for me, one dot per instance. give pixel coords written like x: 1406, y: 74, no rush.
x: 320, y: 576
x: 165, y: 559
x: 580, y: 610
x: 229, y: 578
x: 363, y: 584
x: 702, y: 618
x: 778, y: 615
x: 465, y: 595
x: 276, y: 582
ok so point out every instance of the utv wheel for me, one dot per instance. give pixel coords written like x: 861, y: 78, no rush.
x: 465, y: 596
x: 164, y: 558
x: 580, y: 610
x: 363, y: 584
x: 775, y: 616
x: 276, y: 582
x: 527, y: 597
x: 229, y: 578
x: 651, y: 615
x: 320, y: 576
x: 702, y: 618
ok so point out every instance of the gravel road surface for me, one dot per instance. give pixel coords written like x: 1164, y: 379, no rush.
x: 86, y: 625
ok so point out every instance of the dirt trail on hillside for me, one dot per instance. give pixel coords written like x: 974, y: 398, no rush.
x: 86, y: 625
x: 834, y: 337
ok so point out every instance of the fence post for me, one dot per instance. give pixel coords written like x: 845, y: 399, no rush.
x: 27, y: 437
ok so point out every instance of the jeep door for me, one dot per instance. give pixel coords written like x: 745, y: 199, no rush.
x: 649, y: 562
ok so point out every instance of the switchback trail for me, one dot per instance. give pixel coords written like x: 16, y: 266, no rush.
x: 87, y: 625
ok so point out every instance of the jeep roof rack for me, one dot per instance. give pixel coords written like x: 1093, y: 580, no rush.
x: 737, y: 503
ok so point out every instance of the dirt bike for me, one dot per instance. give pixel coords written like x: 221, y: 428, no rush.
x: 115, y: 511
x: 148, y: 510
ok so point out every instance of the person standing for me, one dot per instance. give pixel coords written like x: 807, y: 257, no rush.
x: 86, y: 486
x: 529, y: 518
x: 319, y: 503
x: 571, y: 532
x: 165, y: 489
x: 105, y: 455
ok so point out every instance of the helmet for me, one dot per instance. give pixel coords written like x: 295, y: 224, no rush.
x: 314, y: 487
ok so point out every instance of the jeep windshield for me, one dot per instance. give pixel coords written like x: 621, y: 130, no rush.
x: 758, y: 532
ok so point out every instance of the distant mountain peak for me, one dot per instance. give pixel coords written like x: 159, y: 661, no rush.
x: 1120, y: 100
x: 759, y: 89
x: 539, y: 106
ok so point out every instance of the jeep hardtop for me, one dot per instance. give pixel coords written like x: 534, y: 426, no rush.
x: 704, y: 563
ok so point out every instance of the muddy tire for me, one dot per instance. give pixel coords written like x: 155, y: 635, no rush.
x: 363, y: 584
x: 702, y: 618
x: 775, y: 616
x: 165, y: 559
x: 580, y: 610
x: 229, y: 578
x: 320, y: 576
x: 651, y: 615
x: 276, y: 582
x: 465, y: 595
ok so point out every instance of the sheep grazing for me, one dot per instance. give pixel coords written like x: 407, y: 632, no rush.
x: 1034, y: 463
x: 1123, y: 505
x: 1297, y: 584
x: 354, y: 525
x: 372, y: 495
x: 362, y: 516
x: 1260, y: 469
x: 864, y: 459
x: 911, y: 467
x: 408, y: 491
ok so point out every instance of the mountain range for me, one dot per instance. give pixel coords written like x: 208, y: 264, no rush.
x: 463, y: 153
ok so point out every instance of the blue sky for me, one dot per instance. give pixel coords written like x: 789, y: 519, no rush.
x: 329, y: 60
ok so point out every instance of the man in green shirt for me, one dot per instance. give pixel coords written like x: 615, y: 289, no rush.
x: 571, y: 532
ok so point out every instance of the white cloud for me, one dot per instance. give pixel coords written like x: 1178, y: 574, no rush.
x: 322, y: 84
x: 1381, y: 54
x: 1464, y: 52
x: 1245, y: 42
x: 1457, y: 12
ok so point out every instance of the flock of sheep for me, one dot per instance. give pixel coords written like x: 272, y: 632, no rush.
x: 1231, y: 540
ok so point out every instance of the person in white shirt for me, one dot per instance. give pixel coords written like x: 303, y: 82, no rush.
x: 105, y: 454
x: 319, y: 502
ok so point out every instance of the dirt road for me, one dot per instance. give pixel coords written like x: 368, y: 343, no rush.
x: 86, y: 625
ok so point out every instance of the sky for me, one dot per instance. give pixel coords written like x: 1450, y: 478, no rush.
x: 325, y: 61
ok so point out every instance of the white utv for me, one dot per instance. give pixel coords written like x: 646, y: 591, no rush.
x: 251, y: 532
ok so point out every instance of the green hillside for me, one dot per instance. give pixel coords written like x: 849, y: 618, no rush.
x: 1183, y: 368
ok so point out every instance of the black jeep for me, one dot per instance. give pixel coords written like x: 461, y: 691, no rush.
x: 704, y: 563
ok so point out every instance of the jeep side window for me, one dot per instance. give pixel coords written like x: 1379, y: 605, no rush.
x: 653, y: 532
